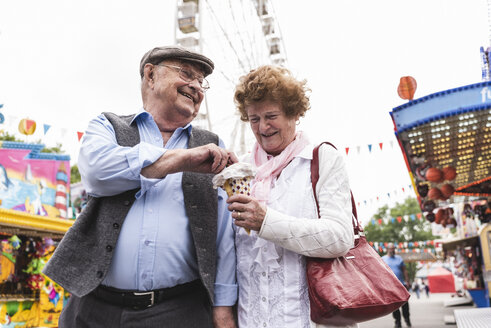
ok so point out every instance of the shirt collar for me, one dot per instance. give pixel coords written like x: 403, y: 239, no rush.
x: 145, y: 115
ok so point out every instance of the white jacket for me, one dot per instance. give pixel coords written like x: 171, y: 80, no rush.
x: 271, y: 264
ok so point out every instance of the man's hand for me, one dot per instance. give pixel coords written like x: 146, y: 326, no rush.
x: 204, y: 159
x: 223, y: 317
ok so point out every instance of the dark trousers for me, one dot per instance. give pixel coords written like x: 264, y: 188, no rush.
x: 405, y: 313
x: 191, y: 310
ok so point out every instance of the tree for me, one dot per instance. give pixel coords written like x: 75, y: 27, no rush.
x: 5, y: 136
x: 395, y: 231
x: 74, y: 174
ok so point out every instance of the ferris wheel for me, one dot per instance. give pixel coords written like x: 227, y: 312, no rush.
x: 238, y: 35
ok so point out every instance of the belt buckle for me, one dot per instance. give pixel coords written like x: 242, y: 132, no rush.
x: 152, y: 297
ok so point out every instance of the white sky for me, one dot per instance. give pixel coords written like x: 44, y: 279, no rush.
x: 64, y: 62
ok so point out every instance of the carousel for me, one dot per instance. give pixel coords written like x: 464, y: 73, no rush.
x: 445, y: 138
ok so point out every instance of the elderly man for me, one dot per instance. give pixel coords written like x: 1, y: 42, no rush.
x: 397, y: 265
x: 154, y: 245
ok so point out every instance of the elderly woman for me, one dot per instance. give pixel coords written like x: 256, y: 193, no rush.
x: 282, y: 213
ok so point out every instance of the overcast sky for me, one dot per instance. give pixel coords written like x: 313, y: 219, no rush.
x: 64, y: 62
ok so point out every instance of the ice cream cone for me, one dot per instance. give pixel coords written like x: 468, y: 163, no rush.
x: 235, y: 180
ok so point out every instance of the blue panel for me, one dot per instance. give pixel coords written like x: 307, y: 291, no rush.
x: 442, y: 104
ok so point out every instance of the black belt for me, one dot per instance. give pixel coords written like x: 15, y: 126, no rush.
x: 142, y: 300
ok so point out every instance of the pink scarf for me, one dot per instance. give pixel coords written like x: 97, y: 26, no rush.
x: 267, y: 170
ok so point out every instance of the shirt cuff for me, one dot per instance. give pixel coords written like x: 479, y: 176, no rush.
x: 146, y: 184
x: 143, y: 155
x: 225, y: 295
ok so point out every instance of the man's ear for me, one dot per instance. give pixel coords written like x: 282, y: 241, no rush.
x: 148, y: 72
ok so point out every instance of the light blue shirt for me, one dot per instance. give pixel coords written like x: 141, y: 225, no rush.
x: 396, y: 264
x: 155, y: 248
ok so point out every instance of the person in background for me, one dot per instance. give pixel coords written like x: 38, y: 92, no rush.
x: 415, y: 288
x: 154, y: 247
x: 426, y: 288
x: 281, y: 212
x: 397, y: 265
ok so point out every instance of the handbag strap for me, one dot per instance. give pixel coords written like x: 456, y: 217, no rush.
x: 314, y: 177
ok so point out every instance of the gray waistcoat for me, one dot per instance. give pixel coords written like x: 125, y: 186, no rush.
x: 82, y: 258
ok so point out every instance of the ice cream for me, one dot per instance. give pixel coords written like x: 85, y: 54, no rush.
x: 235, y: 179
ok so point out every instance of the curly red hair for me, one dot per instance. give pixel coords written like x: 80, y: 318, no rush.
x: 275, y: 84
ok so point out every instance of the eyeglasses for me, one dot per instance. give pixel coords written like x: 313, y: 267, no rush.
x: 189, y: 76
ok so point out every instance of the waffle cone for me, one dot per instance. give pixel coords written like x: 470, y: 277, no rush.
x: 239, y: 186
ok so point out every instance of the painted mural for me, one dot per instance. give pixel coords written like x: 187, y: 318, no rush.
x: 34, y: 182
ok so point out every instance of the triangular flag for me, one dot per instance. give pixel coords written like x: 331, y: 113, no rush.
x: 380, y: 145
x: 80, y: 134
x: 399, y: 219
x: 358, y: 149
x: 418, y: 215
x: 46, y: 128
x: 391, y: 143
x: 403, y: 189
x: 1, y: 105
x: 388, y: 194
x: 347, y: 150
x: 370, y: 148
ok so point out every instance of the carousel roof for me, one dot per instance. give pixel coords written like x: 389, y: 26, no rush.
x: 21, y: 223
x: 450, y: 128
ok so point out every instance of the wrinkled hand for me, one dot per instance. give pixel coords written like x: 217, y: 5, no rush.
x: 204, y: 159
x: 247, y: 211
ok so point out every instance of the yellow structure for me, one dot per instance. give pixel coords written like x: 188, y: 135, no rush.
x: 43, y: 307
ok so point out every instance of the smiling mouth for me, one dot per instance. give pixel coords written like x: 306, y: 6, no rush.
x: 269, y: 135
x: 186, y: 95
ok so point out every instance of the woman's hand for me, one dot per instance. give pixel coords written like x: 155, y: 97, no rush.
x: 247, y: 211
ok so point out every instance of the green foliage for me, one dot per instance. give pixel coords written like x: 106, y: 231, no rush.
x: 410, y: 231
x: 74, y: 174
x: 56, y: 149
x: 5, y: 136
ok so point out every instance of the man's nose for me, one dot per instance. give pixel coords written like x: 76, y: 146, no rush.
x: 195, y: 84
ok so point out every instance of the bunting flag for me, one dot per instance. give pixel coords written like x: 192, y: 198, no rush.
x: 79, y: 134
x: 380, y: 144
x: 424, y: 246
x: 1, y: 105
x: 399, y: 219
x: 369, y: 148
x: 2, y: 118
x: 46, y: 128
x: 347, y: 150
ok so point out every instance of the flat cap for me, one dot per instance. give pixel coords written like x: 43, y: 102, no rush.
x: 158, y: 54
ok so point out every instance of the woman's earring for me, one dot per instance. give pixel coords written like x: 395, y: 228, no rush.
x: 297, y: 122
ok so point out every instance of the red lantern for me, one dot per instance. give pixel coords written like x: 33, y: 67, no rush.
x: 435, y: 193
x: 449, y: 173
x: 441, y: 215
x: 407, y: 87
x: 434, y: 175
x: 447, y: 190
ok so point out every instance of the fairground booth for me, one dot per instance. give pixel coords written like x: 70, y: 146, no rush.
x: 445, y: 138
x: 34, y: 215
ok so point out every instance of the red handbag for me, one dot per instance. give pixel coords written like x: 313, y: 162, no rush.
x: 353, y: 288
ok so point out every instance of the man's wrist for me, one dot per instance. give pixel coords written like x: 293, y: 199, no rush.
x: 223, y: 317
